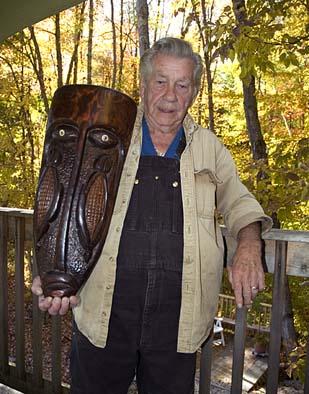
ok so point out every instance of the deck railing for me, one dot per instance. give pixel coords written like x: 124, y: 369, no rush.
x: 286, y: 253
x: 259, y: 319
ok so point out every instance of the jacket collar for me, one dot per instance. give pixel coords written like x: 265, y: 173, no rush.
x: 190, y: 127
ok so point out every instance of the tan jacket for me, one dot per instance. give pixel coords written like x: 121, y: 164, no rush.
x: 210, y: 184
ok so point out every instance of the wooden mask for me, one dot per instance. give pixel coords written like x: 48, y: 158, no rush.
x: 87, y: 138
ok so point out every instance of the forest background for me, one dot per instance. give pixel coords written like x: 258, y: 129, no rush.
x: 254, y: 96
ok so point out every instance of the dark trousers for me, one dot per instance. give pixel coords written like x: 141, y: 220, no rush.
x: 143, y: 328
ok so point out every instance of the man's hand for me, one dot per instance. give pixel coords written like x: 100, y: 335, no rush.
x: 246, y: 273
x: 54, y: 305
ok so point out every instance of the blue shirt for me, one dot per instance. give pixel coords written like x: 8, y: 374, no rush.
x: 148, y: 148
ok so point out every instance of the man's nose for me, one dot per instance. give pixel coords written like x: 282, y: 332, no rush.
x: 170, y: 92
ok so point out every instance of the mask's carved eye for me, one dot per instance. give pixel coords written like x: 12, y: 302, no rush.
x: 103, y: 138
x: 65, y: 133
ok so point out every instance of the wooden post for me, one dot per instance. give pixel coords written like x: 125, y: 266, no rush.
x: 239, y: 350
x: 276, y: 317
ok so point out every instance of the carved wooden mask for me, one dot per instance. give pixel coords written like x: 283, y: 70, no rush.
x: 88, y: 134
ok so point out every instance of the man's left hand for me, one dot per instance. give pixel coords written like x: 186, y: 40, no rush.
x: 246, y: 273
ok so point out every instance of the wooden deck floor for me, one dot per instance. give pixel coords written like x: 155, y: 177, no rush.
x: 221, y: 373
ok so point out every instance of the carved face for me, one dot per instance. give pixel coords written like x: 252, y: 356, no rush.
x: 88, y: 134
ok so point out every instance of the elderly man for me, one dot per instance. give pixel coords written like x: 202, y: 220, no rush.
x: 150, y: 301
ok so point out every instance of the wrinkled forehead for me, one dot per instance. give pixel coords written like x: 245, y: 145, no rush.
x: 85, y: 106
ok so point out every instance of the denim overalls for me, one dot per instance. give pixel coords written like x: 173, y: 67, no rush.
x: 143, y: 328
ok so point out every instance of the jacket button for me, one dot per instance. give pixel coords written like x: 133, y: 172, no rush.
x: 136, y: 181
x: 175, y: 184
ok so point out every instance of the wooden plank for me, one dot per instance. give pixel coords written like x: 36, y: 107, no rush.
x: 20, y: 296
x: 4, y: 354
x: 228, y: 320
x: 276, y: 317
x: 278, y: 234
x: 306, y: 386
x: 253, y: 373
x: 56, y: 354
x: 16, y: 212
x: 239, y: 350
x: 297, y: 263
x: 37, y: 354
x: 7, y: 390
x: 297, y: 255
x: 28, y: 227
x: 287, y: 235
x: 12, y: 214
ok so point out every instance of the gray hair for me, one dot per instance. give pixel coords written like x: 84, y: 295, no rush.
x: 174, y: 47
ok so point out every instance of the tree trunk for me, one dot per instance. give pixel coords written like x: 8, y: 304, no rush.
x: 207, y: 17
x: 121, y: 47
x: 258, y: 146
x: 36, y: 60
x: 200, y: 106
x: 205, y: 37
x: 135, y: 78
x: 142, y: 25
x: 89, y: 45
x: 58, y: 51
x: 211, y: 112
x: 157, y: 20
x: 114, y: 46
x: 79, y: 22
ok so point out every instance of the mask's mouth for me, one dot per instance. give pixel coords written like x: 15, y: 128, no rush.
x: 59, y: 284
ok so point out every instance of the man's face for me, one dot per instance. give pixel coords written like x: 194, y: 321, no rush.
x: 168, y: 92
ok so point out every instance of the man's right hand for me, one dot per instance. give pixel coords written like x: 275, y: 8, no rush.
x: 53, y: 305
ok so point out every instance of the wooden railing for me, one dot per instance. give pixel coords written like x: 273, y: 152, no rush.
x: 258, y: 319
x: 286, y: 252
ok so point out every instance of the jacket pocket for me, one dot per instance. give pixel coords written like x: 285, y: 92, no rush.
x: 206, y: 183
